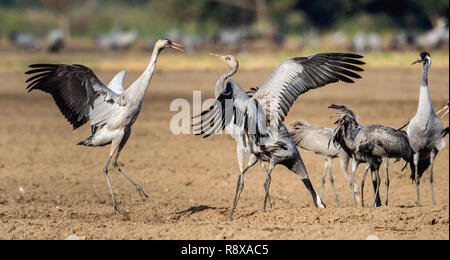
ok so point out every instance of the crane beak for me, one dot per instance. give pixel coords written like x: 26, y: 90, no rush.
x: 417, y: 61
x: 176, y: 46
x: 222, y: 58
x: 338, y: 122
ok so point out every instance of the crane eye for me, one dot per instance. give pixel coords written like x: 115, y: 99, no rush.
x: 227, y: 58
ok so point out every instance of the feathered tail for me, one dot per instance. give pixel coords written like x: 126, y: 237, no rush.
x: 86, y: 142
x: 421, y: 168
x: 297, y: 132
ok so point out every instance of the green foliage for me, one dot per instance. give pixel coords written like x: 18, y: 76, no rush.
x: 380, y: 23
x: 204, y: 17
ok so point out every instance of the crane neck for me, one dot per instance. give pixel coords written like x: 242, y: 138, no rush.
x: 425, y: 105
x: 424, y: 79
x: 138, y: 89
x: 350, y: 131
x: 220, y: 83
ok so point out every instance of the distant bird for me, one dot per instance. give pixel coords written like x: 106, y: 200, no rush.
x: 192, y: 42
x: 118, y: 40
x: 374, y: 142
x: 359, y: 42
x: 403, y: 39
x: 374, y: 42
x: 425, y: 131
x: 233, y: 38
x: 256, y: 121
x: 25, y: 41
x: 82, y: 97
x: 363, y: 42
x: 434, y: 38
x: 316, y: 139
x: 55, y: 40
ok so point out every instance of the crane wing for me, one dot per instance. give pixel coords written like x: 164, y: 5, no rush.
x: 116, y: 83
x: 76, y: 90
x: 296, y: 76
x: 232, y: 107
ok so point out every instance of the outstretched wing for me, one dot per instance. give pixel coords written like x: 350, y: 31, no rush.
x: 74, y: 88
x: 232, y: 107
x: 116, y: 83
x: 296, y: 76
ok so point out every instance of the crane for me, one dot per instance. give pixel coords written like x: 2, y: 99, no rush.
x: 256, y: 120
x: 111, y: 110
x: 316, y: 139
x: 425, y: 131
x: 372, y: 141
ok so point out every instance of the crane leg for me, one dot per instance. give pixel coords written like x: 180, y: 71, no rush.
x: 432, y: 157
x: 344, y: 168
x: 363, y: 180
x: 332, y: 183
x: 267, y: 186
x: 416, y: 177
x: 240, y: 183
x: 115, y: 165
x: 352, y: 181
x: 324, y: 176
x: 298, y: 167
x: 387, y: 181
x: 116, y: 206
x: 376, y: 187
x: 114, y: 146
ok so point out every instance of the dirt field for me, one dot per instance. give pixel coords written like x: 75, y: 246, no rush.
x: 51, y: 188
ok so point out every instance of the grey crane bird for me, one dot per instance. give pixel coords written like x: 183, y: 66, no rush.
x: 316, y: 139
x: 82, y: 97
x: 55, y: 40
x: 25, y: 41
x: 255, y: 120
x: 373, y: 142
x: 425, y: 131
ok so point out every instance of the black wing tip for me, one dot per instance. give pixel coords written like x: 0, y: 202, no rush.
x: 354, y: 55
x: 42, y: 65
x: 346, y: 55
x: 334, y: 106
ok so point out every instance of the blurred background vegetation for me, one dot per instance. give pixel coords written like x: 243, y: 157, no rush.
x: 86, y: 18
x: 389, y: 31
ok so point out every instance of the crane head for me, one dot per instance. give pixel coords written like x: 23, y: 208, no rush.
x: 343, y: 114
x: 424, y: 57
x: 230, y: 60
x: 166, y: 43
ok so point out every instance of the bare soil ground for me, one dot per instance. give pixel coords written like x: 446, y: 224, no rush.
x: 191, y: 181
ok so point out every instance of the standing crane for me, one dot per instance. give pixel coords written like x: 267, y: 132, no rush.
x: 425, y: 131
x: 316, y: 139
x: 256, y: 120
x: 374, y: 142
x: 111, y: 110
